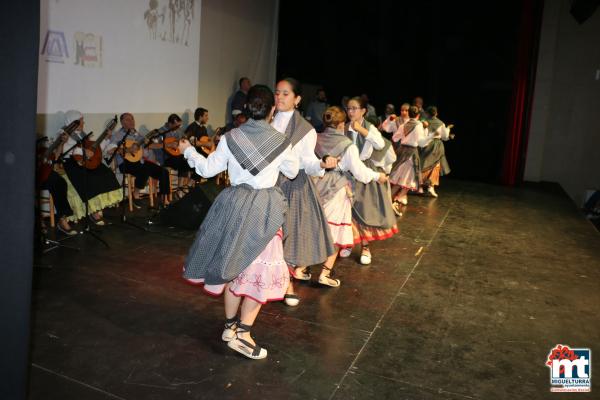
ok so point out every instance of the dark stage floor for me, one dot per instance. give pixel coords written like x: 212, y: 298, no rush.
x: 465, y: 303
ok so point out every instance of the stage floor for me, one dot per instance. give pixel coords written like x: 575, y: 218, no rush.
x: 466, y: 302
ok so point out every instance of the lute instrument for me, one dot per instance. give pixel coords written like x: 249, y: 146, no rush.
x: 132, y: 155
x: 95, y: 160
x: 169, y: 144
x: 45, y: 155
x: 206, y: 144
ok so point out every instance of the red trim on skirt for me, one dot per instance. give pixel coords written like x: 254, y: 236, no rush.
x: 388, y: 234
x: 342, y: 224
x: 408, y: 188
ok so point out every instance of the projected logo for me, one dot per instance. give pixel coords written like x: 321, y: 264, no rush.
x: 570, y: 369
x: 88, y: 49
x: 55, y: 47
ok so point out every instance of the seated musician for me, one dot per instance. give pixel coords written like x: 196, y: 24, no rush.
x: 97, y: 186
x: 133, y: 157
x: 173, y: 158
x: 238, y: 118
x: 197, y: 134
x: 198, y: 128
x: 57, y: 187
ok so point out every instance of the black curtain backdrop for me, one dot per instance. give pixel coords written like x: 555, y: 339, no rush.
x: 19, y: 37
x: 459, y: 56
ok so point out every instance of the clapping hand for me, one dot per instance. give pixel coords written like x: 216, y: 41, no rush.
x: 357, y: 126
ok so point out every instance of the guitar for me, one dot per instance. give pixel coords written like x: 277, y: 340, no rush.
x: 95, y: 160
x: 171, y: 146
x: 130, y: 154
x: 46, y: 157
x: 168, y: 144
x: 206, y: 144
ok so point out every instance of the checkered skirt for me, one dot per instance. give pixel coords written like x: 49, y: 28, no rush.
x: 237, y: 228
x: 306, y: 236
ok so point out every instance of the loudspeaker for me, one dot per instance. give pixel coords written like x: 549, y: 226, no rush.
x: 190, y: 210
x: 581, y: 10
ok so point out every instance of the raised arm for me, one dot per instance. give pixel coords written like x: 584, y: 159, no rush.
x: 207, y: 166
x: 389, y: 125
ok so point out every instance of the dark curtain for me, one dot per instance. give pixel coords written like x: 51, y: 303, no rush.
x: 522, y: 97
x: 19, y: 39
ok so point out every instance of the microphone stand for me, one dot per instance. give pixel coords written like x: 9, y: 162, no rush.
x: 55, y: 244
x: 87, y: 228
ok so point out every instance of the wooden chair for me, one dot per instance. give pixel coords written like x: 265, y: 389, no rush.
x: 223, y: 178
x: 173, y: 182
x: 46, y: 198
x: 129, y: 182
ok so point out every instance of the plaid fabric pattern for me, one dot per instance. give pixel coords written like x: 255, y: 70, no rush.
x: 297, y: 128
x: 306, y: 234
x: 255, y: 145
x: 331, y: 142
x: 237, y: 228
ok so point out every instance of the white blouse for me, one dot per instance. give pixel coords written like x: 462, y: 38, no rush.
x: 443, y: 133
x: 351, y: 162
x: 417, y: 137
x: 222, y: 159
x: 305, y: 148
x: 374, y: 140
x: 390, y: 126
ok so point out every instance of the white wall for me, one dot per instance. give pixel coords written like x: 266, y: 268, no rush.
x: 127, y: 65
x: 154, y: 77
x: 239, y: 38
x: 564, y: 140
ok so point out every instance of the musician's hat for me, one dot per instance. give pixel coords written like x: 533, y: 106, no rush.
x: 72, y: 115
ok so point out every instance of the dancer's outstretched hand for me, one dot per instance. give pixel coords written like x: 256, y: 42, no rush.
x: 329, y: 163
x: 183, y: 145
